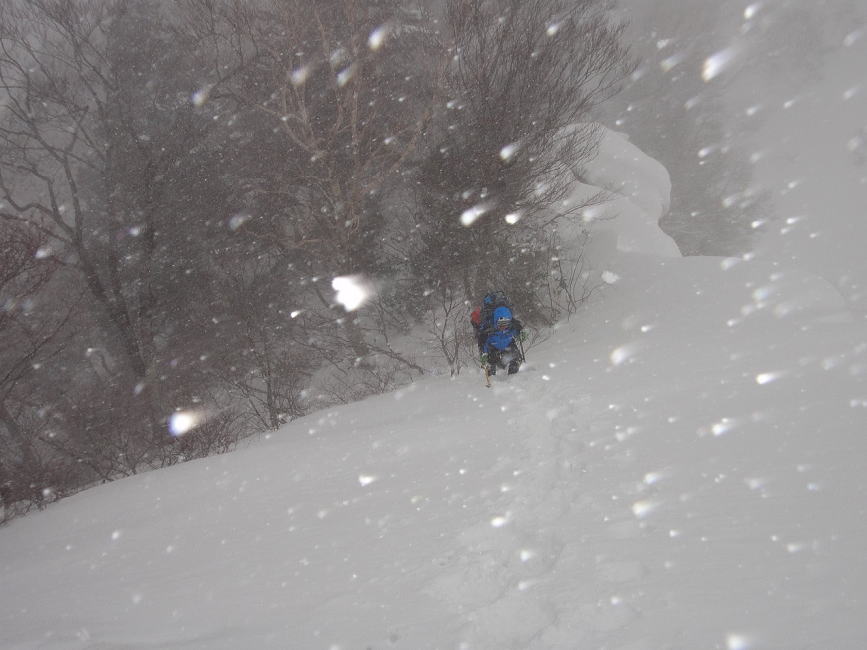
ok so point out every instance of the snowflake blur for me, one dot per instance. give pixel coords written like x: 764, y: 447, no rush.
x: 352, y: 291
x: 471, y: 215
x: 717, y: 63
x: 182, y: 422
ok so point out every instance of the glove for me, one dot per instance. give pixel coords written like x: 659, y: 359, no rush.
x: 522, y: 336
x: 484, y: 359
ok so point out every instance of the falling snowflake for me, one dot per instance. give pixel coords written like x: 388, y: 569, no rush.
x: 352, y: 291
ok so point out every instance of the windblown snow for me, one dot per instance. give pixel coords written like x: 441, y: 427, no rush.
x: 637, y: 190
x: 679, y: 466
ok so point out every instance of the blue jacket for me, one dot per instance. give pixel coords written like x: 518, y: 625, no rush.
x: 497, y: 339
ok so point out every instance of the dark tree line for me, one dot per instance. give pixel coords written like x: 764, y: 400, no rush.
x: 180, y: 182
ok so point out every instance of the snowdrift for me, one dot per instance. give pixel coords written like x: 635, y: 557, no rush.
x: 638, y: 190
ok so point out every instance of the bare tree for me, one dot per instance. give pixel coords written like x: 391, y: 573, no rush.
x: 266, y: 360
x: 523, y: 79
x: 334, y: 97
x: 568, y: 284
x: 353, y: 106
x: 30, y: 336
x: 104, y: 153
x: 448, y: 328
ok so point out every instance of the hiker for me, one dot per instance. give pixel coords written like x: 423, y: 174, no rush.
x: 498, y: 334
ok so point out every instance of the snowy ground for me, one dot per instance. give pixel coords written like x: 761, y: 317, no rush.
x: 680, y: 466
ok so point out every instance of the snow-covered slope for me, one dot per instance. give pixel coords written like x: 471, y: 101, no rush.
x: 680, y: 466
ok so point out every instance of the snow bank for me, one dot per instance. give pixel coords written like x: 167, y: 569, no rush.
x: 627, y: 247
x: 637, y: 189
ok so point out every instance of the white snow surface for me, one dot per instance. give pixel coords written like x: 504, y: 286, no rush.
x: 638, y: 189
x: 679, y: 466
